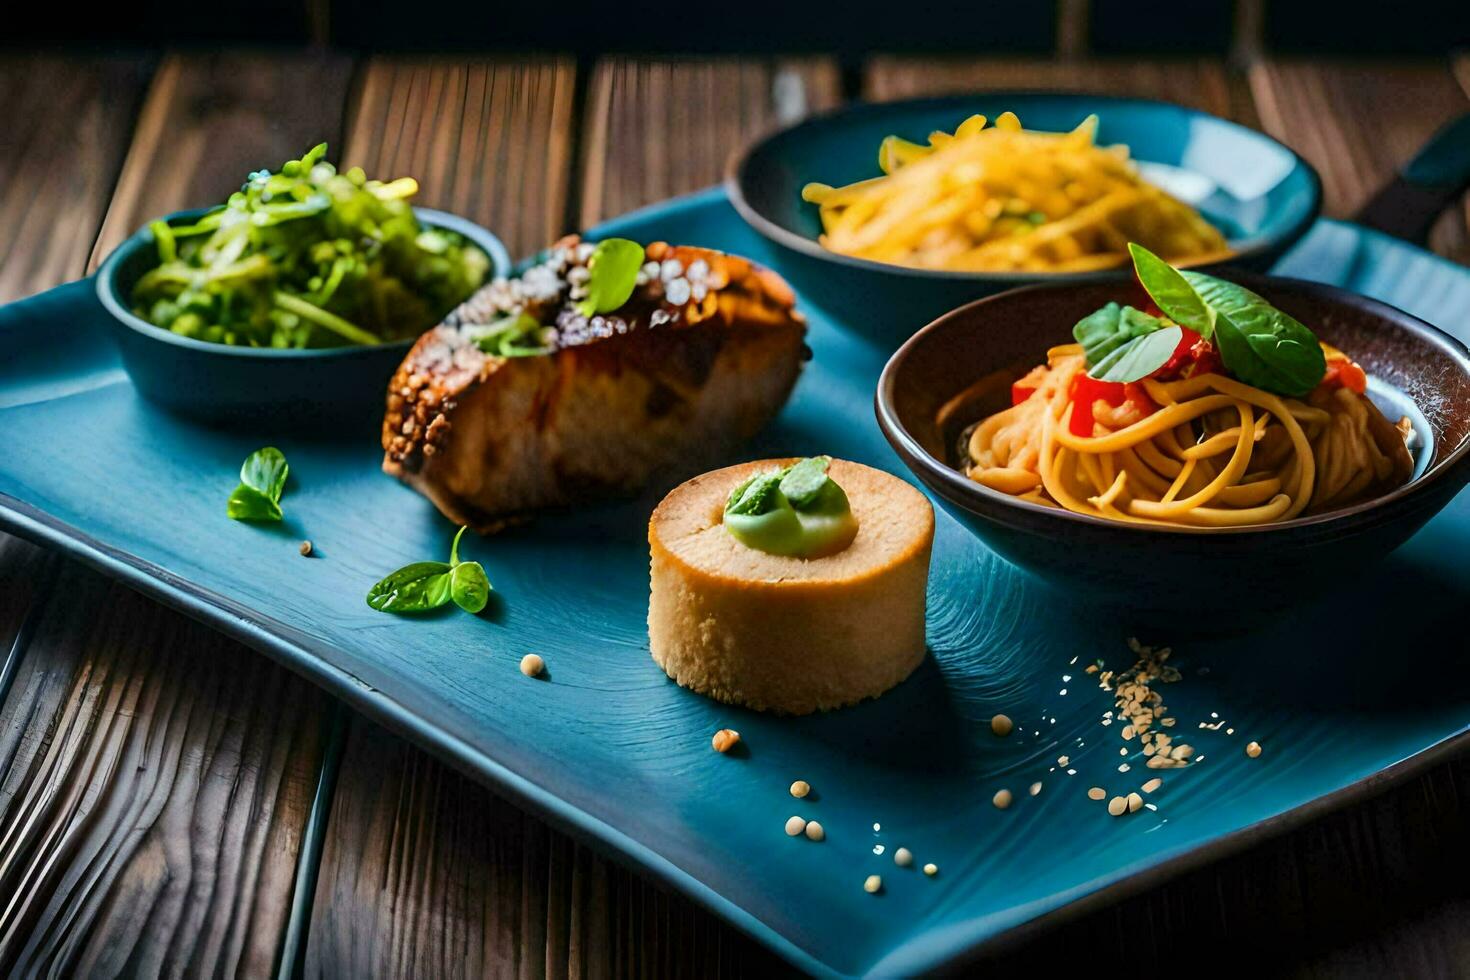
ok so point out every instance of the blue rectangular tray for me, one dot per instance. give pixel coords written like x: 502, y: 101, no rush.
x: 612, y: 749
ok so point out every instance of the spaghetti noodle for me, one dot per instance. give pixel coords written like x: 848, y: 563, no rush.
x: 1003, y: 199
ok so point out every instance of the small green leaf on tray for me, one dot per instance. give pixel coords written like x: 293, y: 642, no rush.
x: 612, y: 275
x: 262, y: 480
x: 1172, y: 292
x: 1138, y: 358
x: 425, y: 585
x: 417, y: 587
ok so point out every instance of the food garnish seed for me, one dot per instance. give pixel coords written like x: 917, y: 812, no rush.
x: 795, y: 826
x: 305, y: 549
x: 725, y: 739
x: 1096, y: 793
x: 800, y: 788
x: 1152, y: 784
x: 1001, y: 799
x: 1001, y: 725
x: 931, y: 869
x: 873, y: 884
x: 1035, y: 788
x: 1117, y: 805
x: 1253, y: 750
x: 532, y: 665
x: 1135, y: 803
x: 903, y: 857
x: 814, y: 831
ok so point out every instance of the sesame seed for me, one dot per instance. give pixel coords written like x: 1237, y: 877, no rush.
x: 1001, y: 725
x: 814, y: 831
x: 1135, y: 803
x: 305, y: 549
x: 795, y: 826
x: 1253, y: 750
x: 1001, y: 799
x: 1096, y: 793
x: 724, y: 740
x: 1152, y: 784
x: 800, y: 788
x: 903, y: 857
x: 1117, y: 805
x: 1035, y: 788
x: 532, y: 665
x: 931, y: 869
x: 1062, y: 760
x: 873, y: 885
x: 878, y: 849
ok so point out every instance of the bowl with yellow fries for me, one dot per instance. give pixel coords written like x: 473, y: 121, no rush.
x: 888, y: 215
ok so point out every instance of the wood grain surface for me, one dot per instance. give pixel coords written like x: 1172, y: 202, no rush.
x: 155, y: 779
x: 461, y: 127
x: 211, y: 119
x: 154, y: 782
x: 67, y: 123
x: 654, y: 129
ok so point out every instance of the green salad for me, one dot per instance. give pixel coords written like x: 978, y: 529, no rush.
x: 308, y: 257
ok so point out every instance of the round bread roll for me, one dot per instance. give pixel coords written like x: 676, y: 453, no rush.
x: 781, y: 634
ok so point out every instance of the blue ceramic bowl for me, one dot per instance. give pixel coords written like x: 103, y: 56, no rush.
x: 959, y: 369
x: 217, y: 383
x: 1259, y: 193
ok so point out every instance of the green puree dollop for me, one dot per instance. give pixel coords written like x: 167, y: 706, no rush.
x: 798, y: 511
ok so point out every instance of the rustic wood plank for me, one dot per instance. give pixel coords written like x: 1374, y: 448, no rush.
x: 425, y: 873
x: 151, y: 799
x: 209, y: 120
x: 68, y: 122
x: 655, y: 129
x: 1199, y: 83
x: 489, y: 140
x: 1358, y: 122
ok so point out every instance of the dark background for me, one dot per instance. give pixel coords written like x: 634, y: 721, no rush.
x: 851, y: 28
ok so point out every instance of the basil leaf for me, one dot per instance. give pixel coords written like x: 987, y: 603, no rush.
x: 1261, y: 345
x: 758, y: 495
x: 612, y: 273
x: 249, y: 504
x: 469, y: 586
x: 1172, y: 292
x: 803, y: 481
x: 417, y: 587
x: 1103, y: 332
x: 1138, y: 358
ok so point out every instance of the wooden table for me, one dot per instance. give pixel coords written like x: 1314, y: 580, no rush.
x: 157, y: 782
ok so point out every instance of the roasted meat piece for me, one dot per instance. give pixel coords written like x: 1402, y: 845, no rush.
x: 703, y: 354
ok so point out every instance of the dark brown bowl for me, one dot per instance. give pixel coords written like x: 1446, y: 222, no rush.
x: 1414, y: 369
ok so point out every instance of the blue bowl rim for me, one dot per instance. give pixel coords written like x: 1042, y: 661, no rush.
x: 737, y: 168
x: 960, y: 490
x: 108, y: 294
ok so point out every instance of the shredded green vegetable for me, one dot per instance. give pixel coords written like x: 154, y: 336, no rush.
x: 308, y: 257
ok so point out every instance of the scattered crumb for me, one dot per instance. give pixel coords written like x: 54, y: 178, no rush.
x: 903, y: 857
x: 1253, y: 750
x: 1096, y: 793
x: 1152, y: 784
x: 1001, y: 725
x: 1035, y: 788
x: 873, y: 885
x: 724, y: 740
x: 931, y: 869
x: 532, y: 665
x: 795, y: 826
x: 1001, y: 799
x: 305, y: 549
x: 1135, y: 803
x: 1117, y: 806
x: 800, y: 788
x: 814, y: 831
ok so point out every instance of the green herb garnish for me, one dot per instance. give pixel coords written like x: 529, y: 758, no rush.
x: 797, y: 510
x: 515, y: 336
x: 612, y: 274
x: 1111, y: 328
x: 262, y: 479
x: 424, y: 585
x: 307, y: 257
x: 1258, y: 343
